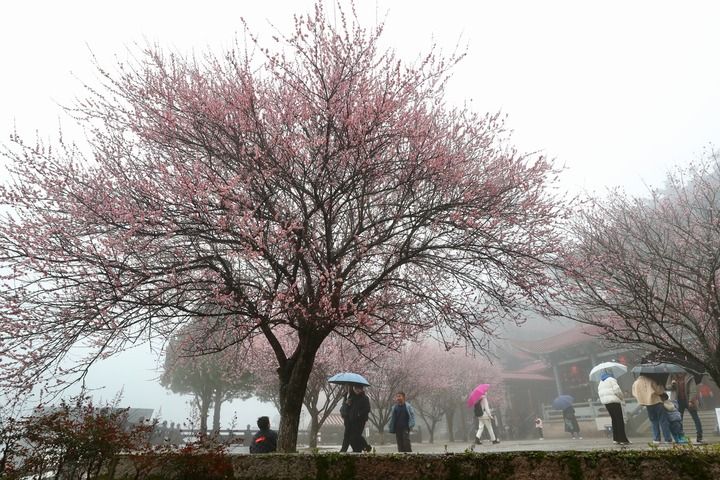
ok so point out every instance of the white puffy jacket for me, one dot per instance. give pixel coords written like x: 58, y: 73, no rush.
x: 609, y: 391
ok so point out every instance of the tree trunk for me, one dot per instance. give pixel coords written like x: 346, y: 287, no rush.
x: 204, y: 401
x: 464, y: 425
x: 217, y: 404
x: 314, y: 429
x: 381, y: 432
x: 294, y: 375
x: 431, y: 429
x: 450, y: 418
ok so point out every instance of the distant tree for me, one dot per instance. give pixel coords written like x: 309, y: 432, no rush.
x: 327, y: 186
x: 443, y: 379
x: 646, y: 270
x: 389, y: 374
x: 193, y: 366
x: 465, y: 372
x: 10, y: 440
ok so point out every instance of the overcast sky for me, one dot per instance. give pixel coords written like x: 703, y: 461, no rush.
x: 617, y: 91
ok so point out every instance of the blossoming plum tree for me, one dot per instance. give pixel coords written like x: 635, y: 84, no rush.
x: 646, y: 271
x: 319, y: 183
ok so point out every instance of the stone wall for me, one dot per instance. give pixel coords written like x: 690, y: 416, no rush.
x: 686, y: 463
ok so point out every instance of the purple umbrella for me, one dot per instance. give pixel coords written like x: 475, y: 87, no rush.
x: 477, y: 393
x: 562, y: 402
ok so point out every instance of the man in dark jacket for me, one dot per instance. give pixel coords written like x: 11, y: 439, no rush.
x: 356, y: 410
x: 402, y: 420
x: 684, y: 387
x: 265, y: 440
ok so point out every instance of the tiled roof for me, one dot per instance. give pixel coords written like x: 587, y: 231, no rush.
x: 575, y: 336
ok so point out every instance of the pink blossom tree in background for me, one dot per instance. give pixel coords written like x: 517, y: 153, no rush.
x: 646, y: 270
x: 325, y: 186
x: 444, y: 380
x: 465, y: 372
x: 391, y: 373
x: 193, y: 366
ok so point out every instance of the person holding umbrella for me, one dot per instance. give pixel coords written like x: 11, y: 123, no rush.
x: 571, y: 424
x: 354, y: 410
x: 565, y: 403
x: 647, y: 392
x: 478, y: 400
x: 611, y: 396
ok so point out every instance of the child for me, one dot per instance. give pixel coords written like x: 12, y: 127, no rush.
x: 539, y: 427
x: 674, y: 418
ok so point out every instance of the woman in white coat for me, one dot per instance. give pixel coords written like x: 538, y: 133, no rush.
x: 612, y: 397
x: 484, y: 416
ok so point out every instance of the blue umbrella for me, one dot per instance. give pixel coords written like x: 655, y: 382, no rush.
x: 346, y: 378
x: 562, y: 402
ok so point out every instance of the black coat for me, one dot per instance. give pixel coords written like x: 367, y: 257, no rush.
x: 264, y: 441
x: 357, y: 409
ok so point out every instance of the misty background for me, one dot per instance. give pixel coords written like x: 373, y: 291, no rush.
x: 617, y: 92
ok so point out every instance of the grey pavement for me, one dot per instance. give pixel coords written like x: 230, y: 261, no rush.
x: 548, y: 445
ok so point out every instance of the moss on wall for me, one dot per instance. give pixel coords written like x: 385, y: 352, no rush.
x: 678, y: 464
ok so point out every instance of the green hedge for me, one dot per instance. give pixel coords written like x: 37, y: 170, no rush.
x: 686, y: 463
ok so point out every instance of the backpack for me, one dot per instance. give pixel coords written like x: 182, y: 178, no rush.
x: 478, y: 409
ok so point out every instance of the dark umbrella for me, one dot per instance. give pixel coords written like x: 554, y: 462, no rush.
x: 664, y: 368
x: 562, y: 402
x: 691, y: 366
x: 658, y: 372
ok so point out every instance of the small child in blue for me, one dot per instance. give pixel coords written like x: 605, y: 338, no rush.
x: 674, y: 418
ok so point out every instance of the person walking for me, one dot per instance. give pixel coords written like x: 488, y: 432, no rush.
x: 685, y: 391
x: 571, y: 423
x: 345, y: 414
x: 611, y: 396
x: 265, y: 440
x: 484, y: 416
x: 402, y: 420
x: 357, y: 410
x: 647, y: 392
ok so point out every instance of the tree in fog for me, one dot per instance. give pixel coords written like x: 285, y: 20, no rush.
x: 444, y: 379
x: 324, y: 185
x: 391, y: 373
x: 194, y: 367
x: 646, y: 270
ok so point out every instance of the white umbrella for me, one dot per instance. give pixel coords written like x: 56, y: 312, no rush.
x: 613, y: 368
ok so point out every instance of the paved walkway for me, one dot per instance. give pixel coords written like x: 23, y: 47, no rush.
x: 548, y: 445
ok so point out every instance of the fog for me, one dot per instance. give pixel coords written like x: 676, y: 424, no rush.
x: 617, y: 92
